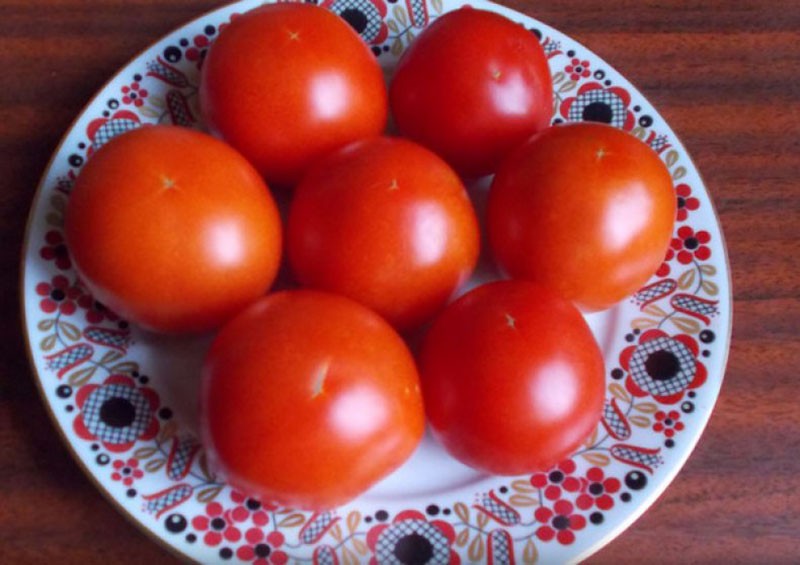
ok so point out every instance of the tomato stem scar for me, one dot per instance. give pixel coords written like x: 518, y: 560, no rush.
x: 294, y: 36
x: 167, y: 182
x: 511, y: 322
x: 319, y: 378
x: 394, y: 185
x: 496, y: 75
x: 600, y: 153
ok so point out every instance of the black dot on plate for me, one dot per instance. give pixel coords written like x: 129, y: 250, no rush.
x: 184, y: 42
x: 645, y: 121
x: 446, y: 511
x: 599, y: 74
x: 376, y: 50
x: 113, y: 103
x: 432, y: 510
x: 218, y: 523
x: 81, y: 145
x: 166, y: 414
x: 558, y: 121
x: 503, y: 490
x: 537, y: 33
x: 629, y: 337
x: 692, y: 394
x: 117, y: 412
x: 368, y: 519
x: 175, y: 523
x: 617, y: 373
x: 570, y: 53
x: 596, y: 489
x: 687, y: 407
x: 356, y: 18
x: 555, y: 476
x: 607, y: 82
x: 172, y: 54
x: 636, y: 480
x: 261, y: 550
x: 95, y: 447
x: 662, y: 365
x: 106, y: 113
x: 209, y: 30
x: 386, y: 48
x: 251, y: 503
x: 381, y: 515
x: 670, y: 443
x: 637, y: 331
x: 413, y: 548
x: 131, y: 492
x: 625, y: 497
x: 226, y: 553
x: 69, y: 408
x: 137, y: 77
x: 64, y: 391
x: 707, y: 336
x: 637, y: 108
x: 191, y: 538
x: 561, y: 522
x: 706, y: 353
x: 144, y: 379
x: 596, y: 518
x: 691, y: 243
x: 75, y: 160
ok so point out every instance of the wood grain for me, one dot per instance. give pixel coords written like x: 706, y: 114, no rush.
x: 724, y: 74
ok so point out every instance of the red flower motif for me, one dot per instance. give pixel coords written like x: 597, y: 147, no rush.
x: 560, y: 522
x: 247, y: 507
x: 117, y: 413
x: 126, y: 471
x: 134, y: 94
x: 599, y: 490
x: 261, y: 548
x: 59, y: 295
x: 597, y: 103
x: 56, y: 250
x: 690, y: 245
x: 686, y: 202
x: 217, y: 525
x: 665, y: 269
x: 102, y: 130
x: 668, y: 423
x: 662, y: 366
x: 95, y: 311
x: 577, y: 69
x: 410, y: 532
x: 557, y: 478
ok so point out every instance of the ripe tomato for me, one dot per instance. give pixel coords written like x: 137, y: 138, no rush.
x: 472, y: 87
x: 585, y: 209
x: 385, y: 222
x: 172, y: 229
x: 309, y: 398
x: 286, y: 83
x: 512, y: 378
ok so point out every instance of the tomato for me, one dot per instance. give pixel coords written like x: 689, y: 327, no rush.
x: 585, y: 209
x: 385, y: 222
x: 472, y: 87
x: 309, y: 398
x: 512, y: 378
x: 172, y: 229
x: 286, y: 83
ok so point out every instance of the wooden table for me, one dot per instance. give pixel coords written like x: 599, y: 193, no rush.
x: 726, y: 76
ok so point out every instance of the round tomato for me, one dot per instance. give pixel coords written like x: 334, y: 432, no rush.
x: 172, y: 229
x: 512, y: 378
x: 585, y: 209
x: 309, y: 398
x: 286, y: 83
x: 472, y: 87
x: 385, y: 222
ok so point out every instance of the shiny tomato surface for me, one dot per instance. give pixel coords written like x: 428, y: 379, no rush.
x: 473, y: 86
x: 512, y: 377
x: 388, y: 223
x: 172, y: 229
x: 585, y: 209
x: 309, y: 398
x: 288, y: 82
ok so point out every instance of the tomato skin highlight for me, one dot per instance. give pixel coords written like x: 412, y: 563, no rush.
x: 309, y: 398
x: 287, y: 83
x: 172, y: 229
x: 387, y: 223
x: 512, y: 377
x: 472, y: 87
x: 585, y: 209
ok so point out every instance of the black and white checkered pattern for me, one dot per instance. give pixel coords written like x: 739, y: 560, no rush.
x: 168, y: 499
x: 500, y: 547
x: 598, y: 96
x: 69, y: 357
x: 614, y: 422
x: 325, y: 555
x: 374, y: 19
x: 111, y: 129
x: 384, y: 549
x: 418, y: 12
x: 316, y: 527
x: 112, y: 434
x: 659, y: 143
x: 182, y: 453
x: 688, y: 303
x: 169, y: 75
x: 644, y: 459
x: 654, y: 291
x: 179, y: 109
x: 498, y: 511
x: 105, y: 336
x: 663, y: 387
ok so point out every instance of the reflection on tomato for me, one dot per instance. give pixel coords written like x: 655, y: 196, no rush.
x: 585, y: 209
x: 172, y: 229
x: 385, y: 222
x: 512, y: 377
x: 472, y: 87
x: 309, y: 398
x: 286, y: 83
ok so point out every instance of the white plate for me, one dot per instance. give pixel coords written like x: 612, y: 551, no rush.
x: 125, y: 400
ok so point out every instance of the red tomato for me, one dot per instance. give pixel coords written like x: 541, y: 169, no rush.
x: 309, y: 398
x: 512, y: 378
x: 286, y: 83
x: 585, y: 209
x: 385, y: 222
x: 172, y: 229
x: 472, y: 87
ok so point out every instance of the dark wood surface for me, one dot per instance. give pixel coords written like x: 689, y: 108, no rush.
x: 726, y: 76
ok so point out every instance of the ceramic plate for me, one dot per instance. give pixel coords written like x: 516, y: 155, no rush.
x: 125, y: 400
